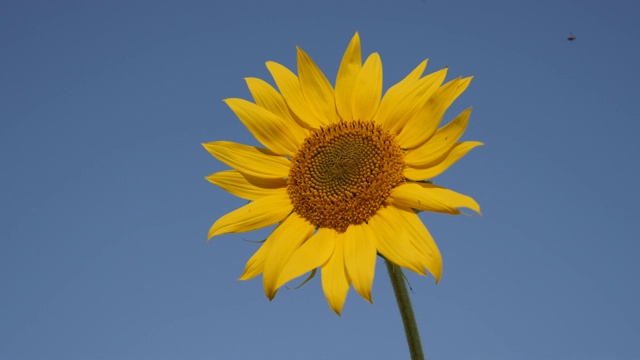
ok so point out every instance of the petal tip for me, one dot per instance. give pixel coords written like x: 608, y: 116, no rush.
x: 270, y: 293
x: 212, y: 234
x: 212, y: 231
x: 437, y: 276
x: 337, y: 310
x: 368, y: 298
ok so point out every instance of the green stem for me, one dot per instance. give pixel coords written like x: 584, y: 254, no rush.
x: 406, y: 310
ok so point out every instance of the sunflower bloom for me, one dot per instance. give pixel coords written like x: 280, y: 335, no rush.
x: 342, y: 172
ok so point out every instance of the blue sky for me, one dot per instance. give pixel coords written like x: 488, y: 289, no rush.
x: 104, y: 209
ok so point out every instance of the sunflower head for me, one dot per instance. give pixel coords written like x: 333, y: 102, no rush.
x: 342, y: 172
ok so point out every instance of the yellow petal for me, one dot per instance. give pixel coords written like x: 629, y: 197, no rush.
x: 245, y: 186
x: 368, y: 89
x: 458, y: 151
x: 397, y: 92
x: 249, y: 160
x: 289, y: 87
x: 360, y: 258
x: 255, y: 215
x: 423, y: 124
x: 440, y: 144
x: 417, y: 96
x: 255, y: 265
x: 284, y: 241
x: 311, y: 255
x: 346, y: 78
x: 280, y: 135
x: 429, y: 197
x: 334, y: 277
x: 392, y: 241
x: 316, y: 89
x: 422, y: 241
x: 269, y: 98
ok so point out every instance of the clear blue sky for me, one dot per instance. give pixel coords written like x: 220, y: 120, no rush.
x: 104, y: 209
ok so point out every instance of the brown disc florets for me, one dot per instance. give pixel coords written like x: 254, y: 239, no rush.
x: 343, y: 174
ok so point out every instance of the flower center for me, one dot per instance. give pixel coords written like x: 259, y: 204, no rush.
x: 343, y: 174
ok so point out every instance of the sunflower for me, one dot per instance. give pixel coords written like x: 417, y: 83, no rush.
x: 343, y: 172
